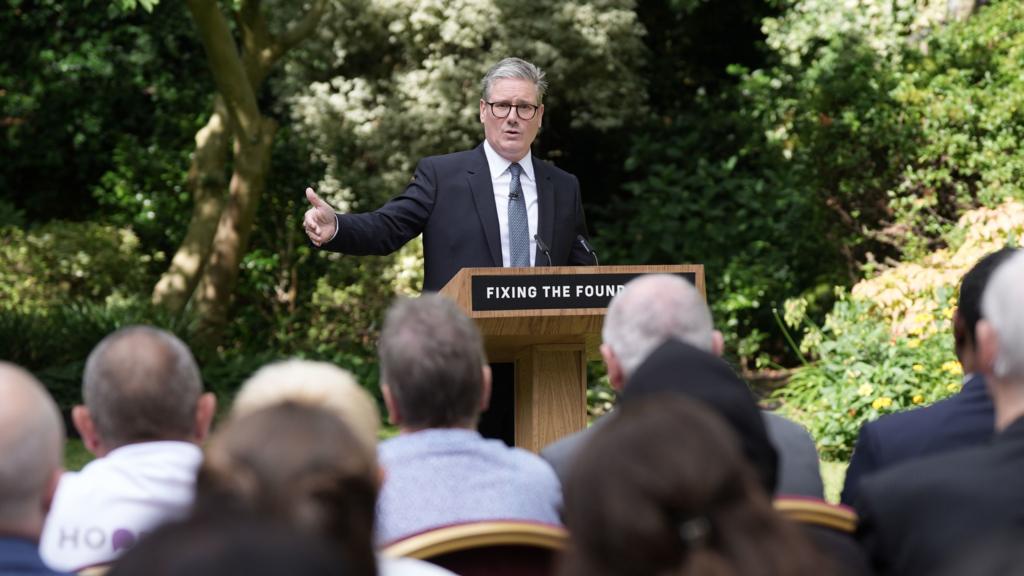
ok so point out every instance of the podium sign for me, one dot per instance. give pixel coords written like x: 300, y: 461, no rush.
x: 550, y: 291
x: 548, y: 321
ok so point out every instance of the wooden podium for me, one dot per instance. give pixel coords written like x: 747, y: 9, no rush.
x: 548, y: 322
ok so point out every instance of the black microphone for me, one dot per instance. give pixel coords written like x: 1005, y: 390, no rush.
x: 586, y: 246
x: 543, y: 247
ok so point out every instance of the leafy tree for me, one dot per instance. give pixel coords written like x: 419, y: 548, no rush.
x: 842, y: 101
x: 208, y: 260
x: 98, y: 107
x: 701, y: 183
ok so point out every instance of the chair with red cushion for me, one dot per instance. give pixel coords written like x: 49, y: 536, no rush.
x: 830, y: 527
x: 493, y: 548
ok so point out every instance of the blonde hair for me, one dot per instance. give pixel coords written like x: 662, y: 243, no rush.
x: 310, y: 383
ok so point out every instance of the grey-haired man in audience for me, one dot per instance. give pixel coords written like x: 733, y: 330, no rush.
x: 440, y: 470
x: 145, y: 415
x: 652, y: 309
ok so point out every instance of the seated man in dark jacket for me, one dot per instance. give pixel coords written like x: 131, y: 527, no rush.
x: 917, y: 516
x: 960, y: 421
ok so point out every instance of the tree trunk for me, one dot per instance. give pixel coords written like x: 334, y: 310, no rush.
x: 207, y: 179
x: 238, y: 76
x: 220, y: 276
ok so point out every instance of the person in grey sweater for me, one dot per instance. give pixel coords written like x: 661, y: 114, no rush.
x: 650, y: 310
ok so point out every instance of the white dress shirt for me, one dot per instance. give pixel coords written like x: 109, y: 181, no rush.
x: 501, y: 179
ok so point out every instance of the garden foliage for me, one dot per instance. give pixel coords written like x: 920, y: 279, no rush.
x: 61, y: 262
x: 790, y: 146
x: 887, y: 344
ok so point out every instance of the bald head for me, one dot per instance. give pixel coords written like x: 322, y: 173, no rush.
x: 651, y: 309
x: 31, y: 450
x: 141, y: 384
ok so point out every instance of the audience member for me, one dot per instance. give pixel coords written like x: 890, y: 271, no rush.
x: 676, y: 367
x: 326, y: 386
x: 654, y: 308
x: 290, y: 463
x: 664, y: 488
x: 31, y: 450
x: 712, y: 382
x: 997, y: 555
x: 314, y: 384
x: 144, y: 415
x: 440, y: 470
x: 236, y: 546
x: 965, y: 419
x: 916, y: 515
x: 298, y: 464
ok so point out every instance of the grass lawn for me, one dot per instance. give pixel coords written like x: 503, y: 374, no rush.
x: 75, y: 455
x: 832, y: 475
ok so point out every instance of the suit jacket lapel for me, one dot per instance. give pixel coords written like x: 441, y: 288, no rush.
x: 479, y: 179
x: 545, y: 208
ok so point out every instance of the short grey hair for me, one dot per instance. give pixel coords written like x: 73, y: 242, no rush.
x: 431, y: 360
x: 141, y: 384
x: 648, y: 311
x: 1002, y: 306
x: 309, y: 383
x: 515, y: 68
x: 31, y: 445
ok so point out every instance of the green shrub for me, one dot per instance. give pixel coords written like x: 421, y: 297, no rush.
x: 887, y: 344
x: 54, y: 342
x: 60, y: 262
x: 711, y: 192
x: 863, y: 371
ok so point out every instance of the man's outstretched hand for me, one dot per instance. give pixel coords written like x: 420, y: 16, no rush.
x: 319, y: 221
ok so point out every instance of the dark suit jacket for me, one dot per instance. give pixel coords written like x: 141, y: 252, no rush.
x: 451, y: 202
x: 679, y: 368
x: 798, y: 472
x: 916, y: 516
x: 21, y: 558
x: 963, y: 420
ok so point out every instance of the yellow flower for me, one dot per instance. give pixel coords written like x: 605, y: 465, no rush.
x: 883, y: 402
x: 953, y: 367
x: 913, y: 343
x: 865, y: 389
x: 948, y: 313
x: 918, y: 368
x: 918, y: 399
x: 953, y: 387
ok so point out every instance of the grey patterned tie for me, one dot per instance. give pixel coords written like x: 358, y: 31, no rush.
x: 518, y: 227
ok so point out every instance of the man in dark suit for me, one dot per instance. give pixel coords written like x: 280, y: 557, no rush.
x: 963, y: 420
x: 491, y: 206
x: 494, y: 205
x: 916, y: 516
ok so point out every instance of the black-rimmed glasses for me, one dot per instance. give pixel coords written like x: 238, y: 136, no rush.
x: 502, y: 110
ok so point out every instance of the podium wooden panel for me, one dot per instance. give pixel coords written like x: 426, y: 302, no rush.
x: 550, y: 346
